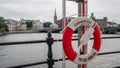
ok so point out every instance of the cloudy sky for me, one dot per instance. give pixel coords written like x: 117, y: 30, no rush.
x: 44, y: 9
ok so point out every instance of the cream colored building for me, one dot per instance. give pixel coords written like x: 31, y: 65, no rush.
x: 53, y: 26
x: 15, y: 25
x: 22, y: 26
x: 37, y: 25
x: 12, y: 24
x: 110, y: 24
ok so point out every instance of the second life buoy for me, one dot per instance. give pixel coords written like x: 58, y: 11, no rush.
x: 67, y: 39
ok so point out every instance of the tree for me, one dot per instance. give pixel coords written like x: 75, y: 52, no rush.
x: 29, y: 24
x: 47, y: 24
x: 1, y: 22
x: 118, y: 25
x: 3, y: 25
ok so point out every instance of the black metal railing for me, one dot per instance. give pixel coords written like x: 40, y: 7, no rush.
x: 44, y: 41
x: 56, y: 60
x: 50, y: 61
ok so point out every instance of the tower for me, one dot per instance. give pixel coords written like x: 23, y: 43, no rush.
x: 55, y: 17
x: 92, y: 16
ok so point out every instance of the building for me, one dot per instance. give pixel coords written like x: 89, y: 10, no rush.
x: 53, y: 26
x: 12, y: 24
x: 56, y: 23
x: 111, y: 24
x: 105, y: 25
x: 102, y: 22
x: 37, y: 25
x: 61, y: 24
x: 22, y: 26
x: 15, y: 25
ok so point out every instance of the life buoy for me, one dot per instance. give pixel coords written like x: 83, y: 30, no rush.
x: 67, y: 38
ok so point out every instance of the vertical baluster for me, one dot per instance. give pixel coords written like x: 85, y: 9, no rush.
x: 50, y: 54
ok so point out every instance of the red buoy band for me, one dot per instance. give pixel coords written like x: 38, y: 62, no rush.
x: 92, y: 30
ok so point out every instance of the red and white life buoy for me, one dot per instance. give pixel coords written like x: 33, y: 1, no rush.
x: 67, y: 39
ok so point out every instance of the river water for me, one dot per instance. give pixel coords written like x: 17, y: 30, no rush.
x: 30, y: 53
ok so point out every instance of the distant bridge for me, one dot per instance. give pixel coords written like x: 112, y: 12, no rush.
x: 111, y: 30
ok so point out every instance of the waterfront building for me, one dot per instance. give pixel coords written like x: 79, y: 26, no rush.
x: 22, y: 26
x: 57, y: 23
x: 60, y: 21
x: 103, y: 22
x: 37, y: 25
x: 112, y: 24
x: 14, y: 25
x: 53, y: 26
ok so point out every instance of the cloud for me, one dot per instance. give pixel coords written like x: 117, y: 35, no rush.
x: 27, y: 8
x: 44, y: 9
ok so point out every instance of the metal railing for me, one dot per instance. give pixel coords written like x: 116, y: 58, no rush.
x: 56, y: 60
x: 44, y: 41
x: 50, y: 61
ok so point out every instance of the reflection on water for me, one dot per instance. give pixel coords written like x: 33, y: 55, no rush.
x: 29, y: 53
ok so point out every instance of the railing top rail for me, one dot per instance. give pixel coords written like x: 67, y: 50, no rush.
x: 44, y: 41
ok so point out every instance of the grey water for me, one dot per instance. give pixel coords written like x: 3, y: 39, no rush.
x: 13, y: 55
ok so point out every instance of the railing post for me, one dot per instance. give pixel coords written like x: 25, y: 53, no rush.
x: 50, y: 55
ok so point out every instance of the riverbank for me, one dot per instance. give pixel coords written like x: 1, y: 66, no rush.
x: 42, y: 31
x: 3, y: 33
x: 18, y: 32
x: 31, y: 31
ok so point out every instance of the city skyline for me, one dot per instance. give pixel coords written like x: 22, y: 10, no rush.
x: 44, y: 9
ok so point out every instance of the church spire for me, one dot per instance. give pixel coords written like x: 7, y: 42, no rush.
x: 55, y: 12
x: 55, y: 17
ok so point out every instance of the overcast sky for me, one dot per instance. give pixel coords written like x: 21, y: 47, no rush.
x: 44, y: 9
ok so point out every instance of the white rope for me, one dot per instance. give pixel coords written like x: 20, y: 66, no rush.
x: 86, y: 37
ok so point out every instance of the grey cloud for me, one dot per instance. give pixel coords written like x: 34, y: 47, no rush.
x: 25, y: 8
x: 45, y: 8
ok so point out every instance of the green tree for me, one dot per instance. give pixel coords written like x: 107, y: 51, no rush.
x: 47, y: 24
x: 3, y: 25
x: 29, y: 24
x: 1, y: 22
x: 118, y: 25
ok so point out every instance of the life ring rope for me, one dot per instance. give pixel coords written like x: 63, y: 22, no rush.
x: 86, y: 36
